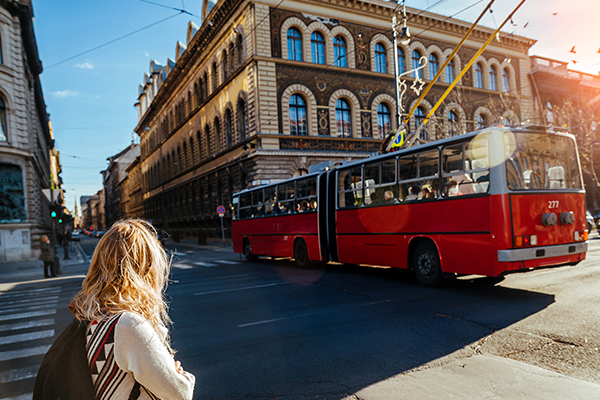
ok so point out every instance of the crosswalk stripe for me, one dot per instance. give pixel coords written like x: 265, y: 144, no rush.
x: 32, y: 293
x: 182, y: 266
x: 205, y: 264
x: 22, y: 353
x: 25, y: 325
x: 24, y: 301
x: 27, y: 396
x: 227, y: 262
x: 31, y: 308
x: 25, y: 337
x: 180, y: 254
x: 18, y: 374
x: 27, y: 315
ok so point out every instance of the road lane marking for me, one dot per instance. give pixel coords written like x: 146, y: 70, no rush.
x: 19, y: 374
x: 238, y: 289
x: 30, y: 308
x: 268, y: 321
x: 22, y: 353
x: 227, y: 262
x: 205, y: 264
x: 27, y: 396
x: 179, y: 254
x: 224, y: 277
x: 27, y: 315
x: 182, y: 266
x: 7, y: 295
x: 26, y: 337
x: 23, y: 301
x: 25, y: 325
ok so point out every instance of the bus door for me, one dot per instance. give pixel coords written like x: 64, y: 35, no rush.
x: 322, y: 215
x: 329, y: 206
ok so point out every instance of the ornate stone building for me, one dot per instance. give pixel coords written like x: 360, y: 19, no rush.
x: 25, y: 137
x: 263, y: 91
x: 115, y: 190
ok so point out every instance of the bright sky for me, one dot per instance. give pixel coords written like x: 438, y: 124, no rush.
x: 90, y: 97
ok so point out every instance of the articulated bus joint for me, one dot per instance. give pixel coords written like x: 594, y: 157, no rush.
x: 534, y: 253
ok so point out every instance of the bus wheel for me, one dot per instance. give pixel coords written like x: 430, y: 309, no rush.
x: 248, y: 251
x: 426, y: 264
x: 301, y: 254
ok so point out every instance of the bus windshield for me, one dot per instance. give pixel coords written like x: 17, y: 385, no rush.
x: 537, y: 161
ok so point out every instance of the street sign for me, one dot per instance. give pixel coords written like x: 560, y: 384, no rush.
x: 221, y: 211
x: 53, y: 195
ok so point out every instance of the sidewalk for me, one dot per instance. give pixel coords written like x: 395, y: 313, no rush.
x: 211, y: 244
x: 32, y: 272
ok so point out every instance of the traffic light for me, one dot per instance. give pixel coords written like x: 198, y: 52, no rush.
x: 53, y: 214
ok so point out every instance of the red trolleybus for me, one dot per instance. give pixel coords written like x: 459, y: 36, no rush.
x: 485, y: 203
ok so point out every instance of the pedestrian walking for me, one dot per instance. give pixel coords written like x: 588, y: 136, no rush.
x: 46, y: 257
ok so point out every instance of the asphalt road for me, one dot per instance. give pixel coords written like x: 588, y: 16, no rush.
x: 270, y: 330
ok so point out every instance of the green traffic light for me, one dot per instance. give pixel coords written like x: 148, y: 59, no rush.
x: 53, y: 214
x: 60, y: 221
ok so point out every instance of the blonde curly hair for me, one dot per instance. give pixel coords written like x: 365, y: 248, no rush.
x: 129, y: 272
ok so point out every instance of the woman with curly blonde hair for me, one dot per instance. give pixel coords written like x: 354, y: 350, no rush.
x: 127, y: 341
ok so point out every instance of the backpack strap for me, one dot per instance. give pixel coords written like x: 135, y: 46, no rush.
x: 135, y: 392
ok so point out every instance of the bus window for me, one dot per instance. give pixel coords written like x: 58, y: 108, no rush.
x: 234, y: 207
x: 418, y: 176
x: 540, y: 161
x: 306, y: 195
x: 257, y: 203
x: 380, y: 180
x: 465, y: 168
x: 270, y: 200
x: 245, y: 205
x: 350, y: 187
x: 285, y: 198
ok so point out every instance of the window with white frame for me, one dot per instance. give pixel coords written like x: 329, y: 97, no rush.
x: 339, y: 52
x: 343, y: 115
x: 384, y: 120
x: 416, y: 63
x: 505, y: 82
x: 433, y: 66
x: 492, y: 77
x: 317, y: 45
x: 380, y: 58
x: 478, y: 76
x: 450, y: 72
x: 401, y: 61
x: 298, y: 122
x: 294, y: 44
x: 452, y: 123
x: 419, y: 118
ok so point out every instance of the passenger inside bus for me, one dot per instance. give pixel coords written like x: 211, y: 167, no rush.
x: 427, y: 192
x: 389, y: 197
x: 374, y: 198
x: 413, y: 193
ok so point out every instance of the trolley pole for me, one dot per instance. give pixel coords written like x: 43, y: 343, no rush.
x: 221, y: 212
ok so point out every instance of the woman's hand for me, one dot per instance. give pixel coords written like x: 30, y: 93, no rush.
x: 178, y: 367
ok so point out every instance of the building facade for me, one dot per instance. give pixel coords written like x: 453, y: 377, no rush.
x: 570, y: 100
x: 25, y: 137
x: 133, y: 203
x: 113, y: 177
x: 263, y: 91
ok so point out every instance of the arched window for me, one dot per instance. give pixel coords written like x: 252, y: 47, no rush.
x: 416, y: 63
x: 241, y: 112
x: 205, y: 87
x: 384, y: 120
x: 317, y: 46
x: 478, y: 76
x: 225, y: 65
x: 339, y: 52
x: 343, y: 117
x: 433, y: 66
x: 239, y: 50
x: 3, y: 130
x: 481, y: 122
x: 294, y: 42
x: 492, y: 77
x: 228, y: 128
x: 217, y: 135
x: 401, y: 61
x: 298, y: 122
x: 207, y: 146
x: 192, y: 155
x: 505, y: 82
x: 380, y: 58
x: 450, y: 72
x: 419, y: 118
x: 453, y: 123
x: 186, y: 156
x: 215, y: 79
x: 200, y: 151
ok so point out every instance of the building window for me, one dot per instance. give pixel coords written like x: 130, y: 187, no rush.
x: 384, y: 120
x: 380, y: 58
x: 217, y: 135
x: 492, y: 78
x: 239, y: 50
x: 228, y: 127
x: 481, y: 122
x: 342, y: 118
x: 478, y: 76
x: 241, y: 112
x: 416, y: 63
x: 505, y: 83
x: 205, y: 87
x: 339, y: 52
x: 298, y: 122
x: 294, y: 41
x: 419, y: 118
x: 433, y: 66
x: 450, y: 72
x: 225, y: 65
x: 3, y: 130
x: 207, y: 146
x: 12, y: 197
x: 1, y: 61
x: 453, y: 123
x: 401, y: 61
x: 215, y: 80
x: 317, y: 46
